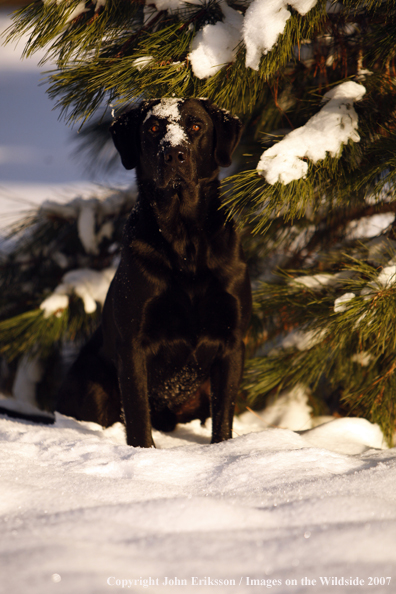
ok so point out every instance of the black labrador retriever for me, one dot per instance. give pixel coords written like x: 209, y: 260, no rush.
x: 170, y: 348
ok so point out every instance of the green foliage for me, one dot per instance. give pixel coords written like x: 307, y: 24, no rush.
x: 96, y: 54
x: 44, y: 247
x: 309, y: 336
x: 24, y: 332
x: 248, y: 197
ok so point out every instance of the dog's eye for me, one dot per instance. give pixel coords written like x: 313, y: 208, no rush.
x: 154, y: 128
x: 195, y: 127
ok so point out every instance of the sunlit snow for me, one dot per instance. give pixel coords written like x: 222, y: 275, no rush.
x: 90, y: 285
x: 80, y: 510
x: 325, y: 133
x: 264, y: 21
x: 216, y: 45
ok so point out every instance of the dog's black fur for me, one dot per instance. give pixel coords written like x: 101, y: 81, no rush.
x: 170, y: 348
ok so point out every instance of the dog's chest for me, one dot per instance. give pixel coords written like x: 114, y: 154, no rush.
x: 183, y: 329
x: 191, y: 310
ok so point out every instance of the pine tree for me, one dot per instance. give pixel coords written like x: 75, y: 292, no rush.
x: 314, y: 83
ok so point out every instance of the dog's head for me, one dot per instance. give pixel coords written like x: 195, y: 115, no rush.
x: 176, y: 141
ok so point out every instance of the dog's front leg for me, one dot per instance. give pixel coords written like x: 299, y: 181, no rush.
x: 225, y: 378
x: 132, y: 377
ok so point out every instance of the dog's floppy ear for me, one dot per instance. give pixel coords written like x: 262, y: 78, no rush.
x: 228, y: 131
x: 124, y: 131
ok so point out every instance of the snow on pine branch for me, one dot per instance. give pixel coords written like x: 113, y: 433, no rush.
x: 89, y: 215
x: 79, y: 9
x: 216, y: 45
x: 334, y: 125
x: 264, y: 21
x: 90, y: 285
x: 174, y: 5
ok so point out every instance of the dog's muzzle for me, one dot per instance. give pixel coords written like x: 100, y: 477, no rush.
x: 174, y: 166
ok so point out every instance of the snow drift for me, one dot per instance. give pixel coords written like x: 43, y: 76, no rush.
x: 82, y: 512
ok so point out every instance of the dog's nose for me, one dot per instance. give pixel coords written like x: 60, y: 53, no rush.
x: 175, y: 155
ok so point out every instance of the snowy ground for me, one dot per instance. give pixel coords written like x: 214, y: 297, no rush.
x: 82, y: 513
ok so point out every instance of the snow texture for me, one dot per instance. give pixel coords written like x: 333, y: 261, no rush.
x: 215, y: 45
x: 89, y: 214
x: 387, y: 276
x: 385, y: 279
x: 168, y: 110
x: 142, y: 62
x: 90, y: 285
x: 29, y: 373
x: 369, y: 226
x: 109, y: 204
x: 264, y: 21
x: 175, y: 135
x: 320, y: 281
x: 302, y: 340
x: 79, y: 9
x: 86, y: 226
x: 289, y: 410
x: 340, y: 304
x: 346, y: 436
x: 363, y: 358
x: 82, y: 512
x: 325, y: 133
x: 316, y: 281
x: 86, y: 229
x: 172, y: 5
